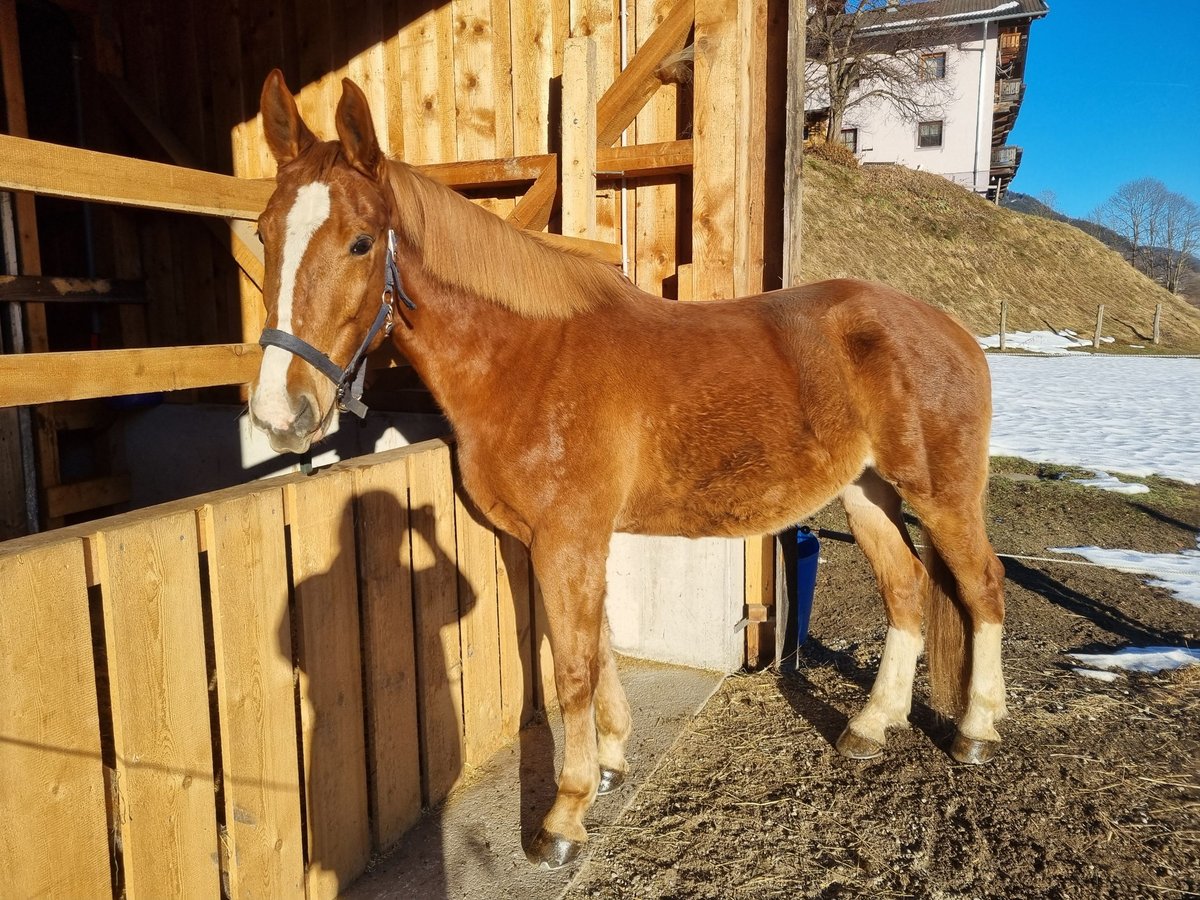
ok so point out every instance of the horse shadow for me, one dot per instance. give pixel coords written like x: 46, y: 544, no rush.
x: 428, y: 859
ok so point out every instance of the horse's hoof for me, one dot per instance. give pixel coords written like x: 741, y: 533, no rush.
x: 552, y: 851
x: 855, y: 746
x: 972, y: 751
x: 610, y: 780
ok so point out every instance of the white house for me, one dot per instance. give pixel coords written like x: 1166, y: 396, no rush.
x: 966, y: 61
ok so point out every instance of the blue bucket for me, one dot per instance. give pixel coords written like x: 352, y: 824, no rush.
x: 808, y: 552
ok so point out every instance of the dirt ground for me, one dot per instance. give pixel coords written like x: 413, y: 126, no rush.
x: 1094, y: 794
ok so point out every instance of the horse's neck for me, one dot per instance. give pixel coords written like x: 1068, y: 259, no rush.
x: 467, y: 350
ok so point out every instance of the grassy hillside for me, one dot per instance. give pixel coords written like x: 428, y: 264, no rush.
x: 930, y: 238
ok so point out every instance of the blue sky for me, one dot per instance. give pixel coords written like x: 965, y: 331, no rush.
x: 1113, y: 94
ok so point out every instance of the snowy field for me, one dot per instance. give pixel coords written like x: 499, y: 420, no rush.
x: 1138, y: 416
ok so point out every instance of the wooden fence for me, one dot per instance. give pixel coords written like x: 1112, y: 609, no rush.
x: 260, y: 686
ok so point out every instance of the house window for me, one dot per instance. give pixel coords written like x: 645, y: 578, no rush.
x: 933, y: 66
x: 849, y: 137
x: 929, y: 134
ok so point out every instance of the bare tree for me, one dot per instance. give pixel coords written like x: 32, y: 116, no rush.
x: 1161, y: 228
x: 1181, y: 239
x: 855, y: 56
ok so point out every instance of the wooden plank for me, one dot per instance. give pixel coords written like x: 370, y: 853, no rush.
x: 60, y: 171
x: 647, y: 160
x: 715, y: 137
x: 435, y: 601
x: 480, y: 631
x: 750, y: 153
x: 325, y: 579
x: 427, y: 74
x: 485, y: 173
x: 80, y: 375
x: 158, y: 683
x: 252, y: 643
x: 532, y: 71
x: 79, y: 496
x: 389, y: 663
x: 482, y: 85
x: 601, y: 250
x: 51, y: 776
x: 793, y: 167
x: 28, y: 288
x: 655, y: 224
x: 533, y: 210
x: 579, y: 139
x: 516, y: 633
x: 639, y: 81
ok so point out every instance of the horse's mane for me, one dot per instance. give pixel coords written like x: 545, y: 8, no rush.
x: 467, y: 247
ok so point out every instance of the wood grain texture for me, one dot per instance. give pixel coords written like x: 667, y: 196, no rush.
x: 252, y: 639
x: 389, y: 662
x: 479, y: 625
x: 578, y: 178
x: 60, y: 171
x: 435, y: 602
x: 426, y: 47
x: 516, y: 633
x: 158, y: 682
x: 81, y: 375
x: 51, y: 777
x: 325, y: 582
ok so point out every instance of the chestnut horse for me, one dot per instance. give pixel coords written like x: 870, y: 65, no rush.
x: 583, y: 406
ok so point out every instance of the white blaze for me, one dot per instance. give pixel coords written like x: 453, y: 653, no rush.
x: 308, y: 213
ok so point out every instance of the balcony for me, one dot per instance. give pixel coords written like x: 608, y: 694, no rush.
x: 1005, y: 160
x: 1009, y: 91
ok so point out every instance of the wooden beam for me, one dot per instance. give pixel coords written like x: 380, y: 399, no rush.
x: 644, y: 160
x: 31, y: 288
x: 639, y: 80
x: 81, y: 496
x: 60, y: 171
x: 486, y: 173
x: 33, y: 378
x: 579, y: 138
x: 793, y: 169
x: 534, y: 209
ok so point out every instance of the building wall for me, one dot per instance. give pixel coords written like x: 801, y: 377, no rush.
x: 965, y: 155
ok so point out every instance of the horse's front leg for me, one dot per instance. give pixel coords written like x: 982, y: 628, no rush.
x: 571, y: 571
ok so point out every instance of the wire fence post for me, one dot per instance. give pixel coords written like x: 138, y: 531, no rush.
x: 1003, y: 324
x: 1099, y: 325
x: 1157, y: 321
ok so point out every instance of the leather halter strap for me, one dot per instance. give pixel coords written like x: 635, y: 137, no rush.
x: 349, y: 381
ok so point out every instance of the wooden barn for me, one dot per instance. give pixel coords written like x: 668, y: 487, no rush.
x: 223, y: 684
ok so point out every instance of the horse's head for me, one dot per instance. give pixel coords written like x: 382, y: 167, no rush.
x: 326, y: 239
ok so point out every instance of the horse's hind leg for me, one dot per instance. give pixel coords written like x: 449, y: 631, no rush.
x: 873, y: 510
x: 955, y: 527
x: 613, y: 721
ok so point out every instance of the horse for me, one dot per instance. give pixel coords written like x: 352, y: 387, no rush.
x: 582, y: 406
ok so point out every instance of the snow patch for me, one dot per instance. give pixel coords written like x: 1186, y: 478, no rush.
x: 1138, y: 659
x: 1115, y: 414
x: 1054, y: 342
x: 1107, y: 482
x: 1179, y: 572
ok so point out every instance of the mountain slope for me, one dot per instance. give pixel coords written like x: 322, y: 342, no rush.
x: 933, y: 239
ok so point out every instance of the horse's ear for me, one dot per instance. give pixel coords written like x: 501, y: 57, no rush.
x: 357, y: 131
x: 286, y: 133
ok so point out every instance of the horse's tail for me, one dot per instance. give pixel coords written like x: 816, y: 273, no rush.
x: 946, y: 637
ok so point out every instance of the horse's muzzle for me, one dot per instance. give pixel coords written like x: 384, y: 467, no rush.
x: 288, y: 429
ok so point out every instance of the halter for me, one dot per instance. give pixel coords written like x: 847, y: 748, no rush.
x: 349, y: 381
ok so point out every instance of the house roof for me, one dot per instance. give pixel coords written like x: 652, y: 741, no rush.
x: 950, y: 12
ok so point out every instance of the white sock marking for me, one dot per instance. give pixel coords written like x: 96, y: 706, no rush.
x: 985, y: 700
x: 891, y: 695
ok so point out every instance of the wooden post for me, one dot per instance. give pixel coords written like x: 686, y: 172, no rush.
x: 1003, y: 324
x: 1099, y: 325
x: 579, y: 138
x: 793, y: 174
x: 1157, y: 322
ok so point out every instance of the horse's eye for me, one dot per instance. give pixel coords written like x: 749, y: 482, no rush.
x: 361, y: 247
